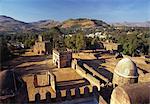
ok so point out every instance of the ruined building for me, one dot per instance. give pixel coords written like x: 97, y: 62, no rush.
x: 110, y: 46
x: 42, y: 46
x: 12, y: 88
x: 126, y: 90
x: 62, y: 58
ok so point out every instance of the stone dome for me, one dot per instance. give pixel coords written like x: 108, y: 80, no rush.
x: 126, y: 68
x: 132, y: 94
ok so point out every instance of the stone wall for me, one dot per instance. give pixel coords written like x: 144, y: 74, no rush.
x: 43, y: 80
x: 53, y: 81
x: 95, y: 73
x: 46, y: 79
x: 111, y: 46
x: 92, y: 79
x: 68, y: 96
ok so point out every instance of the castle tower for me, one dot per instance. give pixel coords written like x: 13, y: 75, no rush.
x: 40, y: 38
x: 125, y: 72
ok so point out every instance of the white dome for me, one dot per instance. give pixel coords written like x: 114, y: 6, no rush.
x: 126, y: 68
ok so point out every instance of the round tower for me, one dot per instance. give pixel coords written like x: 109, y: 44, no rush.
x: 125, y: 72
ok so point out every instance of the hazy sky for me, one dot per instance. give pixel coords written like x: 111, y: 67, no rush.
x: 107, y: 10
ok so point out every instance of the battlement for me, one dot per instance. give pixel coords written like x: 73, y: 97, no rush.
x: 68, y: 95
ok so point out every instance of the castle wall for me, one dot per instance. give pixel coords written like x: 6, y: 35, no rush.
x: 68, y: 97
x: 53, y: 81
x: 95, y: 72
x: 94, y: 81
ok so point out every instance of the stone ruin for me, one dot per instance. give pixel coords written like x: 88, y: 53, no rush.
x: 47, y: 79
x: 110, y: 46
x: 62, y: 59
x: 68, y: 96
x: 42, y: 46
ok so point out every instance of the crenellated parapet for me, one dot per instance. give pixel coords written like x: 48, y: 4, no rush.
x: 69, y: 95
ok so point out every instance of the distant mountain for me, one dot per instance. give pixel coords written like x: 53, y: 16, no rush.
x: 45, y: 23
x: 133, y: 24
x: 83, y: 23
x: 8, y: 24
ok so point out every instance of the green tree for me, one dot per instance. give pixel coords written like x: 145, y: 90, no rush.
x: 5, y: 53
x: 80, y: 41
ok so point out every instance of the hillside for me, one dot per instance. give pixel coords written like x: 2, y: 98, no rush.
x: 45, y: 23
x: 8, y: 24
x: 83, y: 23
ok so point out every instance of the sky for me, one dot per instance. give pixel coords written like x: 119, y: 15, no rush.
x: 106, y: 10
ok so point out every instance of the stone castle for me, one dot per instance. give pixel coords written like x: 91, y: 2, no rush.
x: 62, y: 59
x: 126, y: 86
x: 42, y: 47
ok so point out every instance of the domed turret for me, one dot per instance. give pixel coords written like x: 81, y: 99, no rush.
x: 125, y: 72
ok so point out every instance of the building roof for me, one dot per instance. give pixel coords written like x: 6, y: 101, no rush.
x: 126, y: 68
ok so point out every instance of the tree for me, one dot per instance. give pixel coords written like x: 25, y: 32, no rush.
x: 5, y: 53
x: 80, y: 41
x: 134, y: 44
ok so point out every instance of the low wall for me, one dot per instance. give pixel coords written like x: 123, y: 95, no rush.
x: 94, y: 81
x: 95, y: 73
